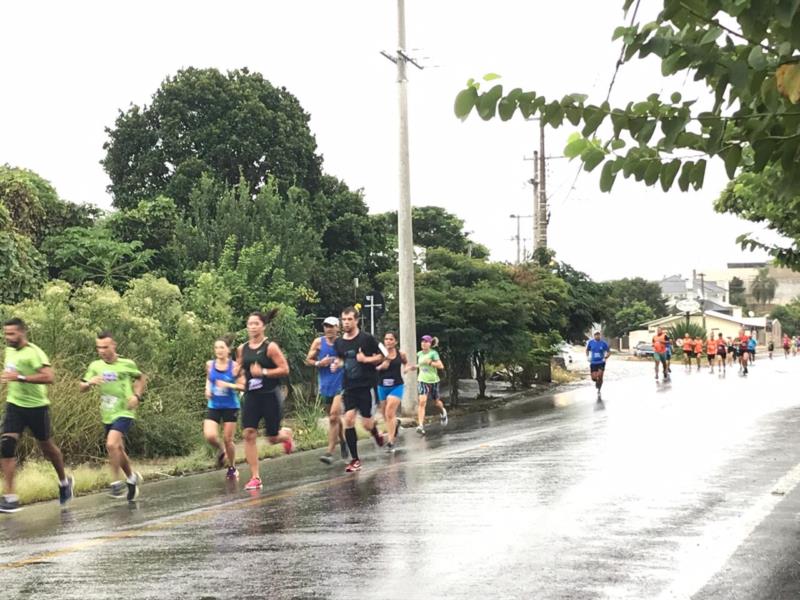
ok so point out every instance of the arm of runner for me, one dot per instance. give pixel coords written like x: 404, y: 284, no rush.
x: 313, y: 353
x: 208, y: 381
x: 43, y: 375
x: 281, y: 366
x: 138, y: 390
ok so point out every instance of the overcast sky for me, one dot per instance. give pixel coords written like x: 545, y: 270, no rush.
x: 69, y: 67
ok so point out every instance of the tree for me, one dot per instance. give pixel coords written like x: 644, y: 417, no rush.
x: 22, y: 267
x: 763, y: 287
x: 789, y: 317
x: 628, y: 318
x: 91, y: 254
x: 202, y: 121
x: 744, y: 53
x: 434, y: 227
x: 624, y: 292
x: 736, y: 291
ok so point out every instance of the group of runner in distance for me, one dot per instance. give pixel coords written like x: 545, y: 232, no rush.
x: 351, y: 368
x: 721, y: 352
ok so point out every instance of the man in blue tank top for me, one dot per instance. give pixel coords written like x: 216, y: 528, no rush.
x: 321, y: 356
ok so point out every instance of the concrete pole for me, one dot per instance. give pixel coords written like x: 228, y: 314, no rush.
x: 535, y: 183
x: 703, y: 292
x: 542, y: 239
x: 518, y: 238
x: 405, y: 240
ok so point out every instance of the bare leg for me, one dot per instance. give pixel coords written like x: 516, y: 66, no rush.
x: 251, y: 450
x: 117, y: 457
x: 9, y: 466
x: 210, y: 432
x: 53, y: 454
x: 423, y: 401
x: 392, y: 402
x: 228, y: 431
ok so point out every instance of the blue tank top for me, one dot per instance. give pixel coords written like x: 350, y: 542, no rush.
x: 330, y: 383
x: 222, y: 398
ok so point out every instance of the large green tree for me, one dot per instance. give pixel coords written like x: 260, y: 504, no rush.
x: 763, y: 286
x: 743, y: 51
x: 229, y: 125
x: 631, y: 302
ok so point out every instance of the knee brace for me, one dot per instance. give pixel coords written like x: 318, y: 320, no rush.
x: 8, y: 446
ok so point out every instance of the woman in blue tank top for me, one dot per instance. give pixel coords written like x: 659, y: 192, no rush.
x: 223, y: 383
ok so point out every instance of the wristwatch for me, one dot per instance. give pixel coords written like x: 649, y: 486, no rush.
x: 22, y: 378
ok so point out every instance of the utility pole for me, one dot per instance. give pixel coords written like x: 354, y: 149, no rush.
x: 518, y: 237
x: 703, y: 292
x: 544, y: 218
x: 534, y: 181
x: 405, y: 240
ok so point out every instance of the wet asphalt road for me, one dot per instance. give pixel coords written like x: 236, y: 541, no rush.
x: 665, y: 491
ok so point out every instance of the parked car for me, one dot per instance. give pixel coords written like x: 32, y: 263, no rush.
x: 643, y: 350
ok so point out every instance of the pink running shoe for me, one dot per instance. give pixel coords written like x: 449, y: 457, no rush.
x: 355, y: 465
x: 253, y: 484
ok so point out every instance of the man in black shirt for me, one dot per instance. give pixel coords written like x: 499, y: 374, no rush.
x: 358, y: 354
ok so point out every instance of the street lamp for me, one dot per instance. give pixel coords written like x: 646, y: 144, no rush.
x: 518, y: 237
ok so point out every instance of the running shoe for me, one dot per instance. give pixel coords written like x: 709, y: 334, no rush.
x: 220, y: 459
x: 133, y: 488
x: 117, y: 489
x: 233, y: 473
x: 443, y: 417
x: 327, y: 458
x: 420, y: 430
x: 390, y: 448
x: 253, y: 484
x: 288, y: 446
x: 379, y: 439
x: 9, y: 504
x: 343, y: 450
x: 354, y: 465
x: 65, y: 491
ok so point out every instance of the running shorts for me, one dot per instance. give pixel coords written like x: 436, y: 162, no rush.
x: 226, y: 415
x: 359, y: 399
x: 258, y: 406
x: 659, y: 356
x: 431, y: 390
x: 328, y: 400
x: 384, y: 392
x: 690, y: 354
x: 121, y: 424
x: 36, y: 419
x: 593, y: 368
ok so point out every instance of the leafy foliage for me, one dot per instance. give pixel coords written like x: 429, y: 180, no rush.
x: 201, y: 121
x: 743, y: 52
x: 763, y: 287
x: 789, y: 317
x: 736, y: 291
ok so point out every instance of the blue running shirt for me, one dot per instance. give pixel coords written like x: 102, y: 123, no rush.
x: 597, y: 351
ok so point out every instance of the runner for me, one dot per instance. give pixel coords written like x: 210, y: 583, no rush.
x: 391, y: 388
x: 751, y: 348
x: 121, y: 385
x: 796, y: 345
x: 770, y: 348
x: 688, y: 351
x: 321, y: 356
x: 698, y: 350
x: 743, y: 342
x: 597, y: 351
x: 263, y: 365
x: 787, y: 343
x: 733, y: 352
x: 722, y: 352
x: 711, y: 351
x: 27, y: 372
x: 357, y: 354
x: 429, y: 363
x: 660, y: 352
x: 224, y: 381
x: 668, y: 355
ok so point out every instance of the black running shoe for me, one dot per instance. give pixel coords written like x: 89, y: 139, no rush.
x: 9, y: 505
x: 133, y: 488
x: 327, y: 458
x: 65, y: 491
x: 117, y: 489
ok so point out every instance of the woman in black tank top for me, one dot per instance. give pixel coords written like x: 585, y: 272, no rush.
x: 390, y: 386
x: 263, y: 364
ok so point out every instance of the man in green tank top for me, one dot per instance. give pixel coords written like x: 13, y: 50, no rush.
x: 121, y: 386
x: 27, y: 372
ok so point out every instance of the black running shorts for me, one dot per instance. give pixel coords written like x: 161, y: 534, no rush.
x: 226, y: 415
x: 597, y: 367
x: 36, y: 419
x: 359, y: 399
x: 264, y: 405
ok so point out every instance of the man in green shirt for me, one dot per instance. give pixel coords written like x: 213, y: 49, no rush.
x: 121, y: 386
x: 429, y: 362
x: 27, y: 371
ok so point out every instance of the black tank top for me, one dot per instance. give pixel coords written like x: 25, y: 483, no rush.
x: 258, y: 355
x: 394, y: 374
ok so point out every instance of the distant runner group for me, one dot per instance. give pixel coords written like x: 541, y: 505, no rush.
x: 357, y: 377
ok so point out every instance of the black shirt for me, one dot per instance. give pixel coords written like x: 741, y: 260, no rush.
x: 356, y: 374
x: 258, y: 355
x: 394, y: 374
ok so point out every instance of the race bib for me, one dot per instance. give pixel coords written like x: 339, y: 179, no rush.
x: 597, y: 355
x: 110, y: 376
x: 256, y: 383
x: 218, y: 390
x: 108, y: 402
x: 388, y: 383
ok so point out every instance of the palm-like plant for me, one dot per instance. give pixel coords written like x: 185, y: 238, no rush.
x: 763, y: 286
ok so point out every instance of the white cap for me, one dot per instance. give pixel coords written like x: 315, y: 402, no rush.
x: 331, y: 321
